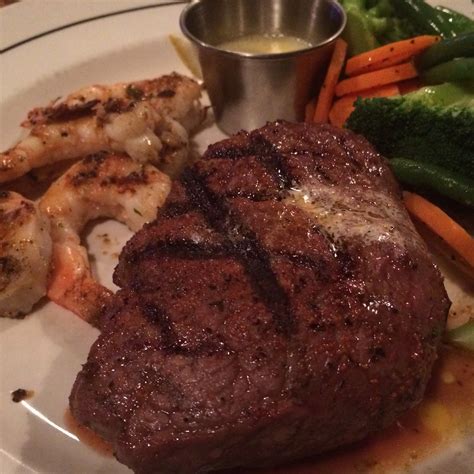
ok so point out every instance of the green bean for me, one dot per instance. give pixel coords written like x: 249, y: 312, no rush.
x: 456, y: 70
x: 463, y: 336
x: 459, y: 22
x: 427, y: 176
x: 425, y: 17
x: 445, y: 50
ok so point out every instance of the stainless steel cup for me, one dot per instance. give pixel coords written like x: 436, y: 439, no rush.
x: 247, y: 90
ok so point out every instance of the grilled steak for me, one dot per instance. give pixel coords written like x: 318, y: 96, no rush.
x: 280, y: 306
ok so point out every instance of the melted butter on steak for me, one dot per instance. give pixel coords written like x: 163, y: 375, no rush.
x: 348, y: 213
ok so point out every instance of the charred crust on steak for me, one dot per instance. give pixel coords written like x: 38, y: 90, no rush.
x: 272, y: 311
x: 245, y: 247
x: 176, y: 209
x: 181, y: 249
x: 172, y: 343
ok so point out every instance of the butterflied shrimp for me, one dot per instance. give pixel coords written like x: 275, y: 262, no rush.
x: 174, y: 95
x: 150, y: 120
x: 25, y: 253
x: 101, y: 185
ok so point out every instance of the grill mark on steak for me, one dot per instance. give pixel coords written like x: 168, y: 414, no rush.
x: 322, y: 173
x: 180, y: 249
x: 175, y: 209
x: 258, y: 146
x: 172, y: 343
x: 246, y: 248
x: 318, y: 267
x: 274, y: 162
x: 269, y: 156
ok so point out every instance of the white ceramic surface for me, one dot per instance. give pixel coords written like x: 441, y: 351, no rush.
x: 45, y: 351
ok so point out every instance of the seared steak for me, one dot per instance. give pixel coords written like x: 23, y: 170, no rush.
x: 280, y: 306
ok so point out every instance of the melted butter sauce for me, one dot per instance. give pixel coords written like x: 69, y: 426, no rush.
x: 446, y: 414
x: 87, y: 436
x: 265, y: 44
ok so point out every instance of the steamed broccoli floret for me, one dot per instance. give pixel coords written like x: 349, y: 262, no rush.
x: 434, y: 125
x: 371, y: 23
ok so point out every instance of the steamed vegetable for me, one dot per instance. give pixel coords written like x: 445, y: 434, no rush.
x: 388, y: 55
x: 379, y: 78
x: 433, y: 125
x: 441, y: 224
x: 326, y: 95
x: 435, y: 178
x: 462, y: 336
x: 461, y: 46
x: 343, y: 107
x: 360, y: 27
x: 459, y: 22
x: 372, y: 23
x: 426, y: 18
x: 456, y: 70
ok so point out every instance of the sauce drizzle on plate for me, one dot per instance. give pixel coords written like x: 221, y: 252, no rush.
x: 446, y: 414
x: 87, y: 436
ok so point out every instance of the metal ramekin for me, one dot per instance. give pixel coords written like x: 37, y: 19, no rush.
x: 247, y: 90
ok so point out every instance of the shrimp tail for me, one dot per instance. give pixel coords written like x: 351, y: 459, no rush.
x: 72, y: 286
x: 102, y: 185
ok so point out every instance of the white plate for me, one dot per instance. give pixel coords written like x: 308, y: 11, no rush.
x: 51, y: 48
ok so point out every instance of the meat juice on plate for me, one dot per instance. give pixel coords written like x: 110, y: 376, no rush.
x: 446, y: 414
x: 87, y: 436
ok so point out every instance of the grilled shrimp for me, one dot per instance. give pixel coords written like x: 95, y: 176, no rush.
x: 25, y: 253
x: 150, y: 120
x: 101, y: 185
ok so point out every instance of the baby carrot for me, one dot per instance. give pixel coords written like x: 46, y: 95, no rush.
x: 378, y: 78
x: 441, y: 224
x: 388, y: 55
x: 343, y: 107
x: 326, y: 95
